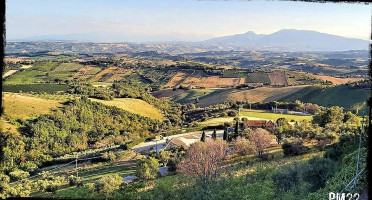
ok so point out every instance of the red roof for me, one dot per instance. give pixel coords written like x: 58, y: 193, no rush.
x: 259, y: 123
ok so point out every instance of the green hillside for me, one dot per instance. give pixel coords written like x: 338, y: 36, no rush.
x: 341, y: 95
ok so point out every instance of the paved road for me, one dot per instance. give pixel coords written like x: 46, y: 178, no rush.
x: 148, y: 145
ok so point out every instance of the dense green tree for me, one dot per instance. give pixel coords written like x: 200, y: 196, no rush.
x: 147, y: 169
x: 164, y: 157
x: 108, y: 184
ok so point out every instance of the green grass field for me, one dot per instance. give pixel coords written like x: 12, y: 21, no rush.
x: 255, y: 115
x: 258, y: 77
x: 272, y: 116
x: 68, y: 67
x: 341, y: 95
x: 135, y: 106
x: 21, y: 106
x: 29, y: 76
x: 45, y: 66
x: 47, y: 88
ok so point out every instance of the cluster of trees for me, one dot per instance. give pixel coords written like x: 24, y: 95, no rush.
x: 170, y: 110
x: 327, y: 125
x: 79, y: 125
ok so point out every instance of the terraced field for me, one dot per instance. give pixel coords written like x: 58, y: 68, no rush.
x: 135, y: 106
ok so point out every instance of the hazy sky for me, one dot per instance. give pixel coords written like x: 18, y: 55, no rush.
x: 171, y: 20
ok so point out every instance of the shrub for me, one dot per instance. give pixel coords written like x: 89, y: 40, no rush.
x: 108, y: 184
x: 317, y: 171
x: 241, y: 146
x: 147, y: 169
x: 287, y: 178
x: 293, y: 148
x: 19, y: 174
x: 260, y: 139
x: 73, y: 180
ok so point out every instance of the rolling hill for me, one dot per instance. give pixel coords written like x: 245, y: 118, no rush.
x: 340, y: 95
x: 135, y: 106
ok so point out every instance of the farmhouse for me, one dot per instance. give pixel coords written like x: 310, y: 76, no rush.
x: 254, y: 124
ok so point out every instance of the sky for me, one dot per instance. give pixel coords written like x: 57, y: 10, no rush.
x: 177, y: 20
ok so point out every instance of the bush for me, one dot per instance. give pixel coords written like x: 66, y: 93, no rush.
x: 19, y: 174
x: 108, y: 184
x: 28, y: 166
x: 73, y: 180
x: 109, y: 156
x: 317, y: 171
x: 147, y: 169
x: 294, y: 148
x: 241, y: 146
x: 287, y: 178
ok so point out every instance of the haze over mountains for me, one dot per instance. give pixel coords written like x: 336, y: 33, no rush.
x: 290, y: 40
x: 287, y: 40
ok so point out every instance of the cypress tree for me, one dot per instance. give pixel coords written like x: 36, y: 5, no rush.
x: 214, y: 134
x: 236, y: 129
x: 224, y: 135
x: 203, y: 137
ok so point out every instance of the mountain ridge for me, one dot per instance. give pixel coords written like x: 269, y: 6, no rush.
x: 289, y: 40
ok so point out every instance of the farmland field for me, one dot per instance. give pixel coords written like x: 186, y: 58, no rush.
x: 20, y: 106
x: 135, y: 106
x: 213, y: 82
x: 261, y: 94
x: 68, y: 67
x: 177, y: 79
x: 167, y: 93
x: 45, y: 66
x: 48, y: 88
x: 189, y: 96
x: 337, y: 81
x: 8, y: 73
x: 28, y: 76
x: 258, y: 77
x: 86, y: 72
x: 277, y: 77
x: 103, y: 74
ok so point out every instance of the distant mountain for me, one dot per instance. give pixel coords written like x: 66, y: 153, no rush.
x: 245, y: 39
x: 289, y: 40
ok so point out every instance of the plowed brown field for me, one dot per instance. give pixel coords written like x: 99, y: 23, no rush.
x: 337, y: 81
